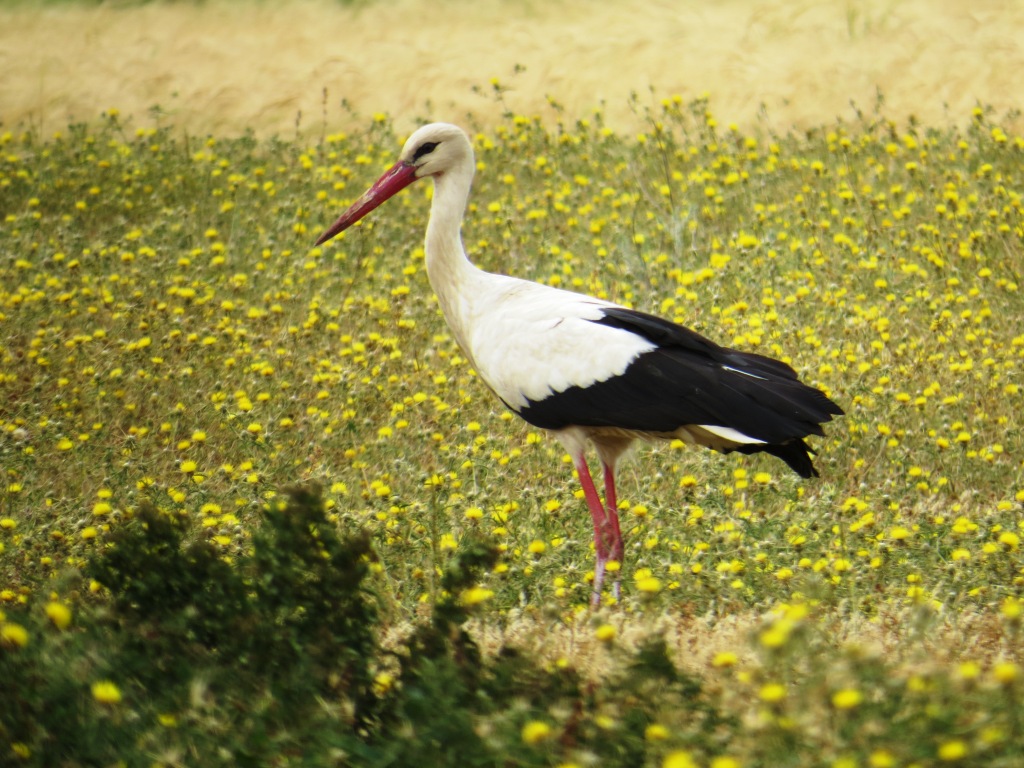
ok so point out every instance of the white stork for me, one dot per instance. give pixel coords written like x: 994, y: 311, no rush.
x: 587, y: 370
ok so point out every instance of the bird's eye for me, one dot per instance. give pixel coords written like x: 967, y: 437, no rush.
x: 424, y: 149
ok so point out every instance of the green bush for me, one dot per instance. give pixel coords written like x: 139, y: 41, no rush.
x: 275, y: 660
x: 231, y: 659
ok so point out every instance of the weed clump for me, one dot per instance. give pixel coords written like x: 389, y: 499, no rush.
x: 206, y: 657
x: 275, y: 659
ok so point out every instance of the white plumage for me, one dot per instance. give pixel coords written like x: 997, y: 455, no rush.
x: 534, y: 341
x: 588, y: 370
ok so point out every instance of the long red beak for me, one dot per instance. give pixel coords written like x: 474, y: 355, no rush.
x: 395, y: 179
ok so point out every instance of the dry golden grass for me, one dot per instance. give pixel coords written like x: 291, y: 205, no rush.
x: 694, y: 641
x: 226, y: 66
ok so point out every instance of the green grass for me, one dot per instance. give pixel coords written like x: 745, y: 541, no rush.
x: 172, y: 343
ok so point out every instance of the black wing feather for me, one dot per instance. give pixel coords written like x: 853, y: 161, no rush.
x: 689, y: 379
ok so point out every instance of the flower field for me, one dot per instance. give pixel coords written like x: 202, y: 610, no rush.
x: 175, y: 350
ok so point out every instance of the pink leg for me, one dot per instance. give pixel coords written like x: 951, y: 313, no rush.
x: 607, y: 538
x: 599, y: 517
x: 612, y: 506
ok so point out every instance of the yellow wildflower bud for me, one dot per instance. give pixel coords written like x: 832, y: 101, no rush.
x: 105, y: 692
x: 848, y: 698
x: 59, y: 614
x: 13, y: 634
x: 535, y: 731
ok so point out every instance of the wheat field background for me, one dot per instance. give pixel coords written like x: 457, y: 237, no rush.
x: 226, y: 67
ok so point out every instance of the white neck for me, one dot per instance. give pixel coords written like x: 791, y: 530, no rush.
x: 449, y: 270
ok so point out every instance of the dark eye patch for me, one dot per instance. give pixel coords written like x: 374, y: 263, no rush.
x: 424, y: 149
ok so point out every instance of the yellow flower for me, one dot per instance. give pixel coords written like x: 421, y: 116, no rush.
x: 383, y: 683
x: 848, y: 698
x: 105, y: 692
x: 59, y: 614
x: 772, y: 693
x: 1012, y: 608
x: 899, y: 533
x: 476, y: 595
x: 605, y: 633
x: 777, y: 635
x: 13, y: 634
x: 678, y: 759
x: 1005, y: 672
x: 951, y: 751
x: 724, y: 659
x: 1009, y: 540
x: 650, y: 585
x: 535, y: 731
x: 656, y: 732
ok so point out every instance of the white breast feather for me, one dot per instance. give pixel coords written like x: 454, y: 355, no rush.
x: 529, y: 341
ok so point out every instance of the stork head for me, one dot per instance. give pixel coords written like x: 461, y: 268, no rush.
x: 432, y: 150
x: 435, y: 148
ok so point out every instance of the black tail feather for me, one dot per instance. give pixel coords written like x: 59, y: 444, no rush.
x: 796, y: 453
